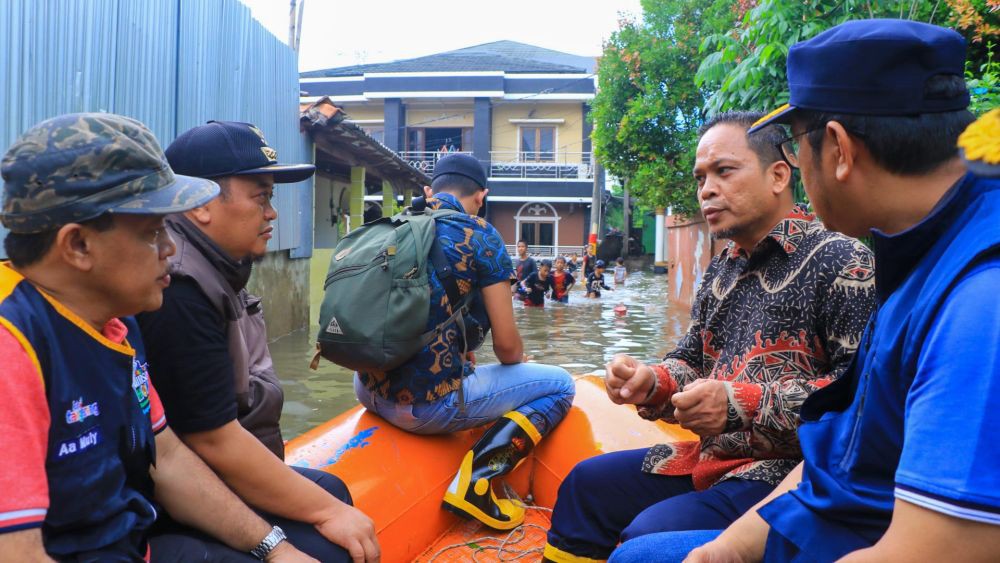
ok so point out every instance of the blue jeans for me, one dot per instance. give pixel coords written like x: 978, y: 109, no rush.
x: 664, y: 547
x: 540, y: 392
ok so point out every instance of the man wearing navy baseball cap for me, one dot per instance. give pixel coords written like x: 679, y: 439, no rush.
x: 208, y: 346
x: 441, y: 390
x: 900, y: 462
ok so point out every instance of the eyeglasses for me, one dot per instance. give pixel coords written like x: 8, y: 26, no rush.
x: 789, y: 146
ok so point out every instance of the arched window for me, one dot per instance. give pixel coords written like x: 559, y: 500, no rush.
x: 538, y: 224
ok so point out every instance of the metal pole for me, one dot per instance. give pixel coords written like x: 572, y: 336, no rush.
x: 595, y: 206
x: 626, y: 216
x: 298, y: 25
x: 658, y: 253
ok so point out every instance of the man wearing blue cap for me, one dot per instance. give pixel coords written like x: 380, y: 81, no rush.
x: 900, y: 462
x: 439, y: 391
x: 208, y: 346
x: 87, y: 452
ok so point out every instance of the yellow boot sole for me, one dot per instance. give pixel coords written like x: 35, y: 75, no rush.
x: 455, y: 502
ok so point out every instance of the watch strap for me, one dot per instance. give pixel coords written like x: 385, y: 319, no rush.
x: 270, y: 541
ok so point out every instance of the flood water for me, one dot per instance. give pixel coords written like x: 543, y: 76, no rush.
x: 580, y: 336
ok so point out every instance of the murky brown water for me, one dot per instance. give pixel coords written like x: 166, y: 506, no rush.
x: 579, y: 336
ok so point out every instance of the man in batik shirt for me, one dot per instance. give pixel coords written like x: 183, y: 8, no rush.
x: 779, y: 314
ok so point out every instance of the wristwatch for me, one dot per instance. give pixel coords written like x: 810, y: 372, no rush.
x: 270, y: 541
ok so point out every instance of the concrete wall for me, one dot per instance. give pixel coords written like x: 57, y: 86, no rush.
x: 573, y: 223
x: 502, y: 217
x: 689, y: 251
x: 439, y: 116
x: 569, y: 134
x: 368, y: 110
x: 327, y: 233
x: 283, y: 285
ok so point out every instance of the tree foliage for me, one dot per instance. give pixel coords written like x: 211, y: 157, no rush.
x: 648, y: 109
x: 661, y: 76
x: 744, y: 68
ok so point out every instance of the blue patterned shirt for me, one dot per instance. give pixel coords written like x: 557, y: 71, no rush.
x: 480, y: 260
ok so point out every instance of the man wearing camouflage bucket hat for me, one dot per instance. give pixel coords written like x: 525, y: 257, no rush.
x: 208, y: 346
x: 83, y: 431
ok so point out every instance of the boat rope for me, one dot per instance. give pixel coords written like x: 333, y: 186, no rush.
x: 507, y: 546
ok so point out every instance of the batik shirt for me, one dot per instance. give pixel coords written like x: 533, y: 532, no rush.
x: 774, y: 324
x: 480, y: 259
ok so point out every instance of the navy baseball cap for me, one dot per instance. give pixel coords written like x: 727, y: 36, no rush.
x: 599, y: 264
x: 230, y: 148
x: 78, y: 166
x: 871, y: 67
x: 463, y: 165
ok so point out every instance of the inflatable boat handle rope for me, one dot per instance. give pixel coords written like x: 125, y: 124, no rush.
x: 514, y: 537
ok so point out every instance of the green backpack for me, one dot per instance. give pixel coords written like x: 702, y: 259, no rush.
x: 377, y: 293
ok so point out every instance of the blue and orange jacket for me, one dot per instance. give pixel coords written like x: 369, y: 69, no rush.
x: 101, y: 440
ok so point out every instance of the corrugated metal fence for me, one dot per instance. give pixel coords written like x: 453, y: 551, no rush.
x: 171, y: 64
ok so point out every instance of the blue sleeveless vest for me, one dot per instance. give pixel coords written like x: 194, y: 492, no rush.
x: 101, y: 443
x: 852, y: 430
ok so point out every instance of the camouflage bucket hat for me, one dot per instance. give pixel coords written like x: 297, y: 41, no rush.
x: 76, y: 167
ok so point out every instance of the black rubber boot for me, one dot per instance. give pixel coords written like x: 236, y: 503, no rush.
x: 497, y: 453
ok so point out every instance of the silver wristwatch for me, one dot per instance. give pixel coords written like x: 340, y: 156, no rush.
x: 270, y: 541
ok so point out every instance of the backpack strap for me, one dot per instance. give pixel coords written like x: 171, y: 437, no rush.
x: 459, y: 303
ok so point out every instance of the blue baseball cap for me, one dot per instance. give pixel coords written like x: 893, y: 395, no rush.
x: 230, y: 148
x: 463, y: 165
x: 871, y: 67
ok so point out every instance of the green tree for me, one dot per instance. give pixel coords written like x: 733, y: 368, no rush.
x: 648, y: 108
x: 744, y: 68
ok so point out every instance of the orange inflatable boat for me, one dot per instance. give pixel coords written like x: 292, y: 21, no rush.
x: 398, y: 479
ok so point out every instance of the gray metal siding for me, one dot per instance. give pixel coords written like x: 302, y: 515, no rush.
x: 172, y: 64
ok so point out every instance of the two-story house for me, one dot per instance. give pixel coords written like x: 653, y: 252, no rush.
x: 520, y: 109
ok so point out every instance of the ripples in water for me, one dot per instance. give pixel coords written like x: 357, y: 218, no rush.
x: 581, y: 336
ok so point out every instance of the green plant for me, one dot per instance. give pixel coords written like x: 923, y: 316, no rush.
x: 984, y: 87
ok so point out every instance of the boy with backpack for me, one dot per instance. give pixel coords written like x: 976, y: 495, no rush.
x: 437, y: 389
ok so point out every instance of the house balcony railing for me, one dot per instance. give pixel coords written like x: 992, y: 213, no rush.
x: 555, y: 165
x: 424, y: 161
x: 513, y: 164
x: 547, y: 251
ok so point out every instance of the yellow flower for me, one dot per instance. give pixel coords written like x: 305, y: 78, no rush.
x: 981, y: 140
